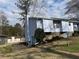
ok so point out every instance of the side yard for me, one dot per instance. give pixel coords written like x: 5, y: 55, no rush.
x: 60, y: 49
x: 72, y: 47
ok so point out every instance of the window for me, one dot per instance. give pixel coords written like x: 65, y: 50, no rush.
x: 56, y: 25
x: 69, y: 24
x: 39, y: 24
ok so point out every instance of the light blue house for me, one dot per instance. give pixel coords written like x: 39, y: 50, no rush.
x: 53, y: 25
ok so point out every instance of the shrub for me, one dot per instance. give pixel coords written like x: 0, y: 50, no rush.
x: 76, y: 33
x: 39, y: 35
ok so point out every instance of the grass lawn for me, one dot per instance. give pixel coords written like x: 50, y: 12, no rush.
x: 44, y: 51
x: 73, y: 47
x: 39, y: 52
x: 6, y: 49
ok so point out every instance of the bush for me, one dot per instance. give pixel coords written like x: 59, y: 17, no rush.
x: 76, y: 33
x: 39, y: 35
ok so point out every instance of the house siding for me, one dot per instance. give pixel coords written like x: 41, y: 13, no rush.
x: 32, y: 27
x: 48, y: 25
x: 65, y: 26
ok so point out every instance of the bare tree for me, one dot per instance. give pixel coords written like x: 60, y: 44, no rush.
x: 31, y: 7
x: 39, y: 8
x: 3, y: 21
x: 73, y: 7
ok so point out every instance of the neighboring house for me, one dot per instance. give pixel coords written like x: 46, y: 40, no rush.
x: 3, y: 39
x: 14, y: 40
x: 54, y: 25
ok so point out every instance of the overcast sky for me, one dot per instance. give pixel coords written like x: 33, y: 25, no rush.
x: 55, y: 9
